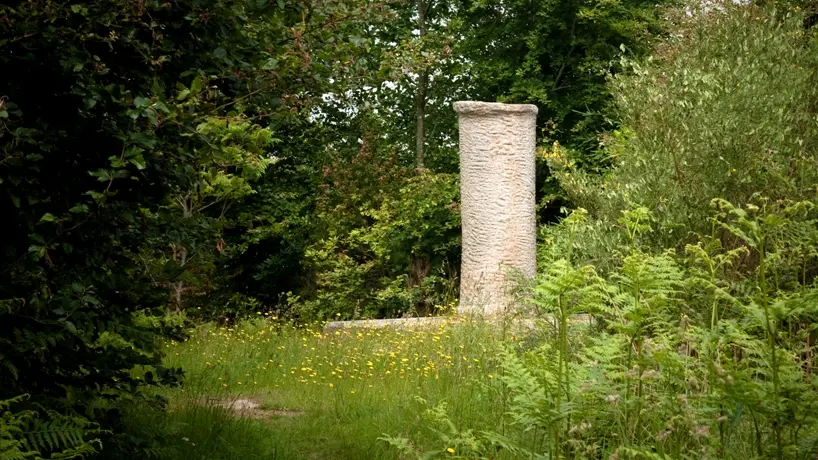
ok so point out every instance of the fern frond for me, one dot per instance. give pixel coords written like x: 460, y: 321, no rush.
x: 15, y: 374
x: 66, y: 437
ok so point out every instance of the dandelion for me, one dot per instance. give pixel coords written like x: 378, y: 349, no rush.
x: 450, y: 450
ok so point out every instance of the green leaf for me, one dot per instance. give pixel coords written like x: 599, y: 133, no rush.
x: 197, y: 85
x: 90, y: 299
x: 37, y: 251
x: 70, y: 326
x: 161, y: 107
x: 16, y: 200
x: 116, y: 162
x: 79, y: 209
x: 97, y: 196
x: 101, y: 174
x: 48, y: 217
x: 138, y: 161
x: 141, y: 102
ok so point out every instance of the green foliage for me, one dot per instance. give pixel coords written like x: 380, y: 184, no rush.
x: 419, y: 76
x: 192, y: 431
x: 459, y: 443
x: 708, y: 354
x: 555, y: 54
x: 308, y: 237
x: 127, y: 131
x: 725, y: 108
x: 699, y: 338
x: 25, y: 435
x: 228, y: 158
x: 398, y: 259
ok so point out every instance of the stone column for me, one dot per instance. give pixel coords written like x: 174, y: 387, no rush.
x: 497, y: 200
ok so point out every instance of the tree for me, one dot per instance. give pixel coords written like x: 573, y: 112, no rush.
x: 122, y: 126
x: 556, y: 54
x: 420, y: 93
x: 706, y: 119
x: 418, y: 80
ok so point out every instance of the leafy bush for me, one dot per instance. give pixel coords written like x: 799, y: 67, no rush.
x: 127, y: 129
x: 725, y: 108
x: 25, y: 434
x: 400, y: 255
x: 691, y: 355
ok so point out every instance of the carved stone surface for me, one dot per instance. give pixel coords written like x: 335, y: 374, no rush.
x: 497, y: 144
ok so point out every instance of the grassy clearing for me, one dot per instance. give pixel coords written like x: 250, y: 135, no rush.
x: 349, y: 387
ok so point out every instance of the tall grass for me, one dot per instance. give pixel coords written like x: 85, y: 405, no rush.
x: 329, y: 394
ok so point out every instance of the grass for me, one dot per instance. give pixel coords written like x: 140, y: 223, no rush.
x: 487, y: 392
x: 347, y: 388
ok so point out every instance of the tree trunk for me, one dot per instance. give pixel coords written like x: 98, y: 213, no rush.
x: 420, y: 94
x: 180, y: 256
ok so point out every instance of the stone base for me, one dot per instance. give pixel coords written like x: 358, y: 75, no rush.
x: 434, y: 321
x: 393, y: 323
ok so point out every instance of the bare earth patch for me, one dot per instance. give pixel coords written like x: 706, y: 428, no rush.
x: 249, y: 408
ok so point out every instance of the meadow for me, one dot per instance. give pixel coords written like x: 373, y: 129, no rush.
x: 329, y: 394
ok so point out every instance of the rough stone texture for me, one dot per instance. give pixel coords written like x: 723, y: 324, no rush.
x: 497, y: 200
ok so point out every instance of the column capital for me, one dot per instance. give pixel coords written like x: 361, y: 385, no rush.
x: 488, y: 108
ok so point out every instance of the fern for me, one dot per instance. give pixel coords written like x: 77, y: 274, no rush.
x: 704, y: 354
x: 65, y: 436
x: 24, y: 435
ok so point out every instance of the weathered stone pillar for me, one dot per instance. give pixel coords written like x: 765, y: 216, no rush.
x: 497, y: 200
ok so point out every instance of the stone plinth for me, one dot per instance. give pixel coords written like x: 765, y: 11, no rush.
x: 429, y: 322
x: 497, y: 144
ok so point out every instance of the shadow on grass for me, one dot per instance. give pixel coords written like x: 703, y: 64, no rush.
x: 193, y: 431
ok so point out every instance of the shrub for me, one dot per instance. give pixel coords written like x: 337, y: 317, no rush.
x: 400, y: 259
x: 725, y: 108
